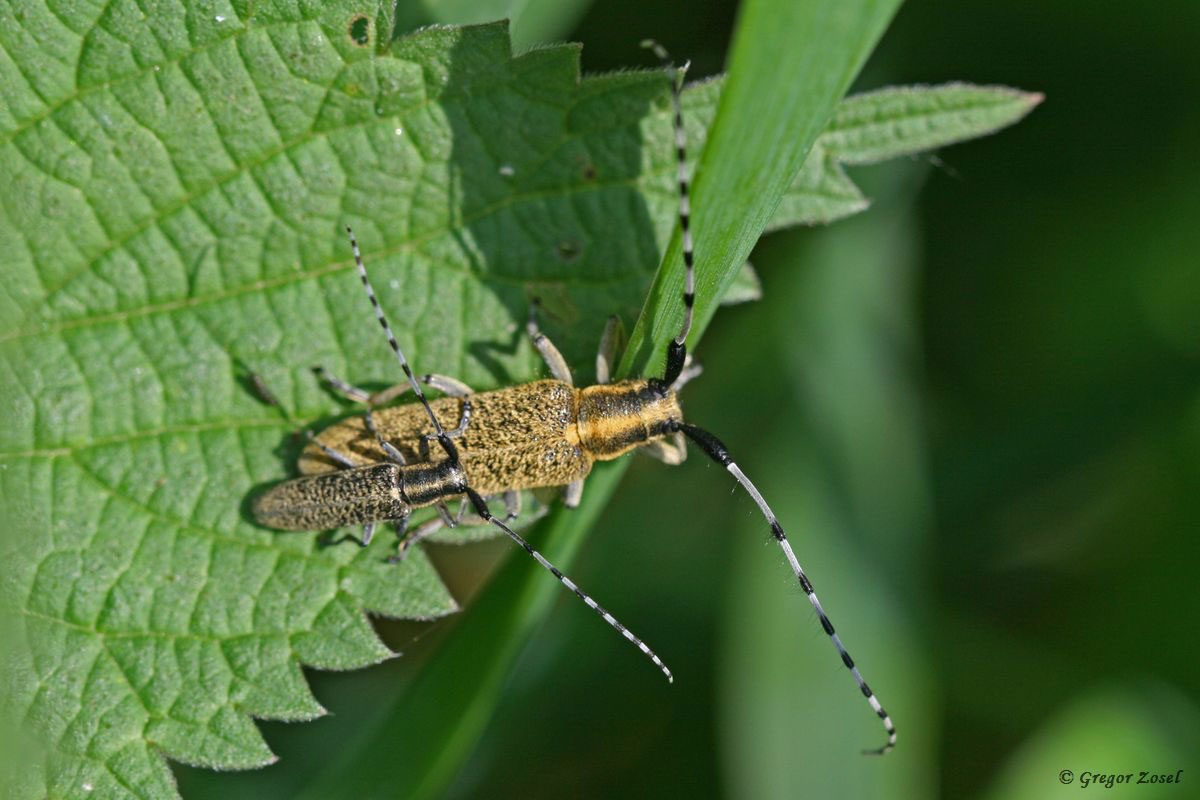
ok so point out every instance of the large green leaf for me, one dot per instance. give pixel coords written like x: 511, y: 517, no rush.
x: 173, y: 218
x: 177, y: 184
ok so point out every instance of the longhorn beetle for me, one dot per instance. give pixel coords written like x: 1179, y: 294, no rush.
x: 379, y: 467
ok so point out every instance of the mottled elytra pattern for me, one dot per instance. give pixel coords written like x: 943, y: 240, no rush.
x: 342, y: 497
x: 545, y: 433
x: 505, y: 442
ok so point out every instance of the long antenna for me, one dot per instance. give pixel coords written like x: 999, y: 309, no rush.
x: 391, y: 337
x: 711, y: 445
x: 677, y: 349
x: 481, y: 507
x: 715, y: 450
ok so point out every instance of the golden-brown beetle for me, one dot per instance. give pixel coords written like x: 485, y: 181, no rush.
x: 381, y: 466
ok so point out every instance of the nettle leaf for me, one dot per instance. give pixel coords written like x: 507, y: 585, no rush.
x: 871, y: 127
x: 745, y: 288
x: 177, y: 186
x: 890, y: 123
x: 177, y: 189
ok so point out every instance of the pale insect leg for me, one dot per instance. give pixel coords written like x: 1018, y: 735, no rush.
x: 362, y: 396
x: 387, y: 447
x: 512, y: 509
x: 671, y: 452
x: 464, y: 420
x: 368, y: 530
x: 336, y: 457
x: 691, y: 370
x: 606, y: 356
x: 554, y: 359
x: 451, y: 387
x: 267, y: 396
x: 347, y: 390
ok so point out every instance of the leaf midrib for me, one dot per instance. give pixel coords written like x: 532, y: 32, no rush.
x: 164, y: 430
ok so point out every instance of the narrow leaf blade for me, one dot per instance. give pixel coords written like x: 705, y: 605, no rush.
x: 902, y: 120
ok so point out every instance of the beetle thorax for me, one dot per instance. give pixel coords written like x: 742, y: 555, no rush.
x: 618, y: 417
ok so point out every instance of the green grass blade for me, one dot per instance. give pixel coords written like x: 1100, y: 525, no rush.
x: 789, y: 66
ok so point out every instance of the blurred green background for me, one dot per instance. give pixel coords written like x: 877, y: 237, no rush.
x: 976, y: 407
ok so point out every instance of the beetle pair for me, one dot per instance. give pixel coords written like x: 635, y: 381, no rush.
x: 383, y: 465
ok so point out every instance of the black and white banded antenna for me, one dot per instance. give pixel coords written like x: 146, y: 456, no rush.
x: 710, y: 444
x: 442, y: 438
x: 482, y: 510
x: 716, y: 450
x: 479, y: 503
x: 677, y: 349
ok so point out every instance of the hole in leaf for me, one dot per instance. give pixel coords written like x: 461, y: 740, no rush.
x: 568, y: 250
x: 589, y: 172
x: 360, y: 30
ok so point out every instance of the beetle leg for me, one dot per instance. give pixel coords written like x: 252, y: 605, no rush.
x: 347, y: 390
x: 671, y: 451
x: 451, y: 387
x: 338, y: 458
x: 422, y: 531
x: 463, y: 421
x: 512, y: 506
x: 444, y: 515
x: 691, y: 369
x: 387, y: 447
x: 554, y: 359
x: 512, y: 509
x: 606, y: 356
